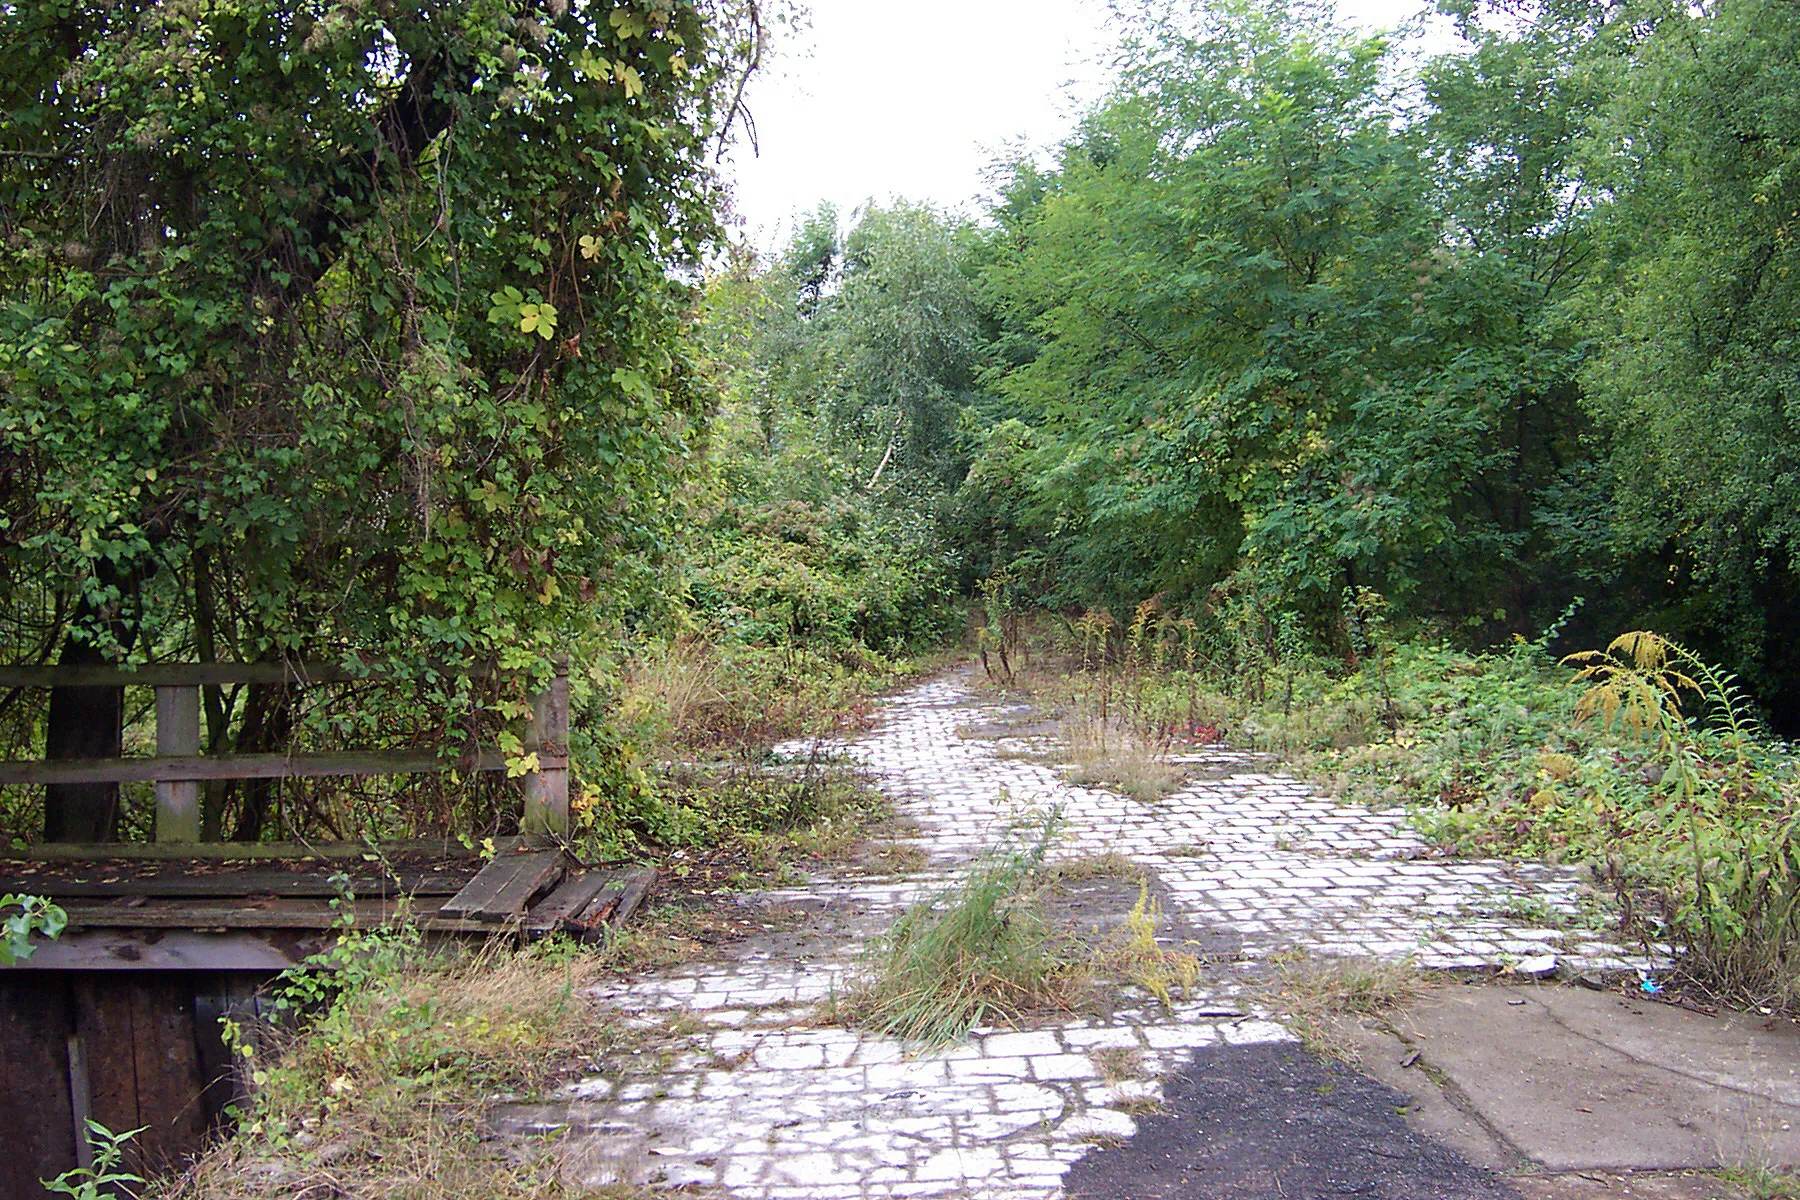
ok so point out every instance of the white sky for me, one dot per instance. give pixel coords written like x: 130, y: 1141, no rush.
x: 880, y: 99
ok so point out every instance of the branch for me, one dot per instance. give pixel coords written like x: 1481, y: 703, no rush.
x: 893, y: 437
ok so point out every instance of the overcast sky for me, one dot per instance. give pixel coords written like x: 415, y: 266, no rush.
x: 879, y: 98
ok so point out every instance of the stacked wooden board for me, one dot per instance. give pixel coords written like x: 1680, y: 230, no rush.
x: 163, y: 914
x: 545, y: 891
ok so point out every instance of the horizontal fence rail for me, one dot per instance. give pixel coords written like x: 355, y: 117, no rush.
x: 178, y: 768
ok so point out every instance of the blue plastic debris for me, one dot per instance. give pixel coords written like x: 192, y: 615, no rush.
x: 1651, y: 986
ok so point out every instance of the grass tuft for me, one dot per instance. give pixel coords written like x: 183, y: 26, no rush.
x: 381, y: 1089
x: 1315, y: 992
x: 979, y: 954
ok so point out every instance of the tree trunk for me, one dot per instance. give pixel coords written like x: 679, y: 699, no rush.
x: 268, y: 724
x: 84, y: 722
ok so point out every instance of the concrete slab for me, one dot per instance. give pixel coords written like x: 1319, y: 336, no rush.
x: 1578, y: 1080
x: 1374, y: 1050
x: 1634, y: 1186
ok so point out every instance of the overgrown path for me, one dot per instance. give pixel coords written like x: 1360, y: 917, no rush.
x: 1241, y: 849
x: 759, y: 1096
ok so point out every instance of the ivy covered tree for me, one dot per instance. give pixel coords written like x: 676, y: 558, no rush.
x: 345, y: 331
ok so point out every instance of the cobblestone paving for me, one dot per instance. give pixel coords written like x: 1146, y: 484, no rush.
x: 764, y: 1102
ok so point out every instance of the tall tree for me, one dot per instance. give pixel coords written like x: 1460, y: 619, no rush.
x: 1696, y: 385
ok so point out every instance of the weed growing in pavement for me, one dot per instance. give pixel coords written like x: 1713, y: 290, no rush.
x: 981, y: 953
x: 1134, y: 953
x: 1641, y: 761
x: 1110, y: 865
x: 1118, y: 1064
x: 984, y: 952
x: 1109, y: 754
x: 1316, y: 992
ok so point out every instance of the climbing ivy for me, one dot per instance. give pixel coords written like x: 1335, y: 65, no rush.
x: 348, y: 330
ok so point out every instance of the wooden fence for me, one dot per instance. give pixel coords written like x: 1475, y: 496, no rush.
x: 178, y: 768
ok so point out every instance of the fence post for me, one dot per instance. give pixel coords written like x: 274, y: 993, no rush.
x: 177, y: 734
x: 547, y: 788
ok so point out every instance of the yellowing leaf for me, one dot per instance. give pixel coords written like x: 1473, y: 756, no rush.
x: 590, y: 246
x: 538, y: 318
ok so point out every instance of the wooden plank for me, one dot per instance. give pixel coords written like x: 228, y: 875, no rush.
x: 251, y: 766
x: 81, y: 1108
x: 571, y: 896
x: 176, y: 915
x: 169, y: 674
x: 169, y: 1082
x: 162, y: 950
x: 370, y: 915
x: 634, y: 895
x: 103, y: 1021
x: 603, y: 903
x: 176, y: 675
x: 506, y: 886
x: 97, y: 851
x: 547, y: 788
x: 177, y: 736
x: 614, y: 904
x: 35, y: 1024
x: 235, y: 883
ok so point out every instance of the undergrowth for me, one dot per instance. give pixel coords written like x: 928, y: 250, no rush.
x: 1315, y: 992
x: 376, y: 1078
x: 1640, y: 761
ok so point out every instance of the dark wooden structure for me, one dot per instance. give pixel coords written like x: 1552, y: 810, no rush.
x: 118, y: 1019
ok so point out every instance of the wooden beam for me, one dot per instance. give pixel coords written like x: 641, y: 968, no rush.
x: 230, y: 884
x: 81, y: 1103
x: 141, y: 851
x: 165, y: 950
x: 178, y: 674
x: 175, y: 675
x: 506, y: 886
x: 224, y: 915
x: 547, y: 788
x: 252, y: 766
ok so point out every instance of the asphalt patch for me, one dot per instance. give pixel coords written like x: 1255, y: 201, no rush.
x: 1276, y: 1121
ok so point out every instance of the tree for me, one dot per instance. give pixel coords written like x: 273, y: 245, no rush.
x: 1695, y: 383
x: 341, y: 331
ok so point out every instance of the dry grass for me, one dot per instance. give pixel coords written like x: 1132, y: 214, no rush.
x: 672, y: 687
x: 383, y: 1092
x: 1106, y: 754
x: 1111, y: 865
x: 1118, y: 1064
x: 1316, y: 992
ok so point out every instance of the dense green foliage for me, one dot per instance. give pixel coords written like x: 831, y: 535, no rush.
x: 351, y: 333
x: 1299, y: 331
x: 1293, y: 315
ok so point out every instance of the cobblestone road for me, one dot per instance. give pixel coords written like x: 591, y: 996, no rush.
x: 763, y: 1102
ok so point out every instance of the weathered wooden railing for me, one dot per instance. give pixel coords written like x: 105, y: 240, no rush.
x: 178, y: 768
